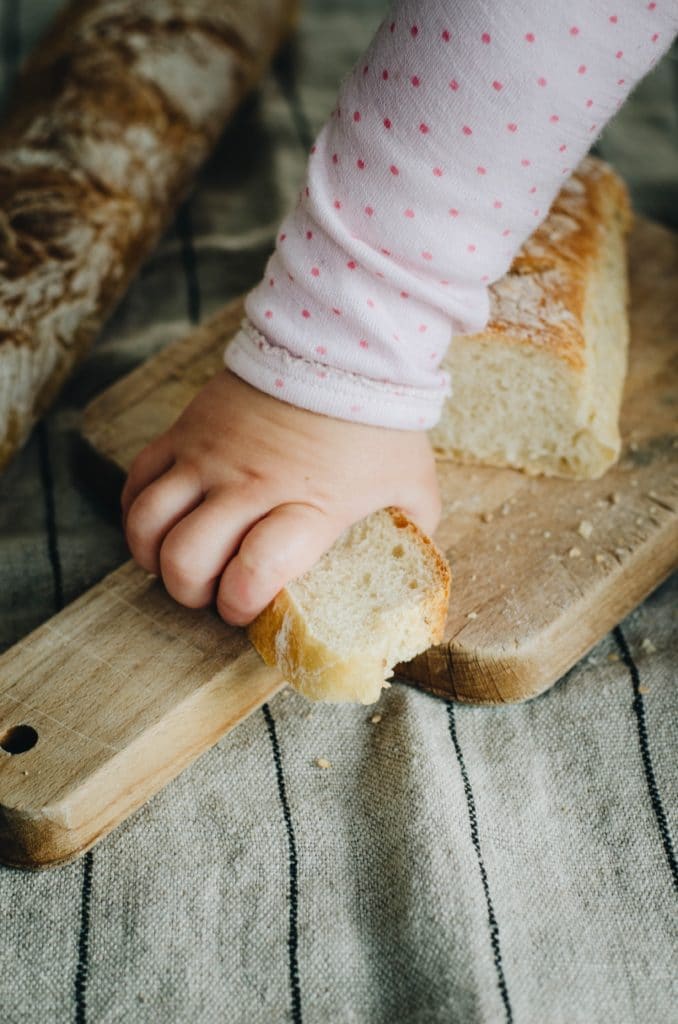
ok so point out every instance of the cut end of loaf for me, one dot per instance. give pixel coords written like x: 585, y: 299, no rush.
x: 378, y: 597
x: 540, y: 388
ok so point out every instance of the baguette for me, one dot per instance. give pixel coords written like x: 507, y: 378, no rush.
x: 376, y: 598
x: 111, y: 117
x: 540, y: 388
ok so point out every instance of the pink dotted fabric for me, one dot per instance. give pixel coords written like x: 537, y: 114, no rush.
x: 449, y: 141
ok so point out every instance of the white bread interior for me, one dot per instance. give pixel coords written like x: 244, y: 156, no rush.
x: 540, y: 388
x: 376, y: 598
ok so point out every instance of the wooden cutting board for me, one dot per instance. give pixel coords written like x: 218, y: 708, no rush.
x: 114, y: 696
x: 524, y: 606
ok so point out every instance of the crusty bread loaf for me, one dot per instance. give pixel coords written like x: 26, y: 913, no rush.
x: 540, y: 388
x: 111, y: 117
x: 378, y: 597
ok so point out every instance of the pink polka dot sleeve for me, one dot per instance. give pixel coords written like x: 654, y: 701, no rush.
x: 450, y: 139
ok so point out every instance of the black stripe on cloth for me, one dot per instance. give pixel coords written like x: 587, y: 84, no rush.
x: 475, y: 838
x: 646, y: 756
x: 82, y: 966
x: 50, y: 517
x: 82, y: 970
x: 10, y: 36
x: 11, y: 49
x: 284, y: 70
x: 189, y: 263
x: 184, y: 229
x: 293, y: 937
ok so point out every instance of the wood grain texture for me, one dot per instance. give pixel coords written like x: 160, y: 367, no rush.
x: 124, y: 688
x: 112, y: 116
x: 523, y: 609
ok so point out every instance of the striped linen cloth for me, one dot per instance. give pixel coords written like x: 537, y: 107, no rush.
x: 452, y: 864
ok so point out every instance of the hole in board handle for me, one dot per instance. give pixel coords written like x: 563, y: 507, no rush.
x: 18, y: 739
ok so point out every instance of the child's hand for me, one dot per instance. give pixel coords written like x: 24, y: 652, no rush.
x: 245, y: 492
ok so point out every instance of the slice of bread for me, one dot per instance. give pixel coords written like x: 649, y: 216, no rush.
x: 376, y: 598
x: 540, y: 388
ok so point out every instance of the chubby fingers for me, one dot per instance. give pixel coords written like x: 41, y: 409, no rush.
x: 151, y: 462
x: 195, y: 551
x: 156, y: 509
x: 278, y: 548
x: 425, y: 513
x: 422, y: 502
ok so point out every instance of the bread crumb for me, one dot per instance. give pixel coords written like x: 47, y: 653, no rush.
x: 574, y: 552
x: 376, y: 718
x: 648, y: 646
x: 547, y: 533
x: 473, y: 577
x: 613, y: 657
x: 487, y: 517
x: 322, y: 762
x: 472, y: 615
x: 643, y: 689
x: 639, y: 520
x: 585, y: 529
x: 25, y: 772
x: 614, y: 498
x: 600, y: 558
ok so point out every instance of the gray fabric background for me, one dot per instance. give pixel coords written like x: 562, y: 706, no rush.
x: 454, y: 864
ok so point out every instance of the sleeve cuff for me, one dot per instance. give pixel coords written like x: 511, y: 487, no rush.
x: 327, y: 390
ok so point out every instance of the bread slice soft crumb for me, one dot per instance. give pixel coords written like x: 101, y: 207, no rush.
x: 540, y: 388
x: 375, y: 599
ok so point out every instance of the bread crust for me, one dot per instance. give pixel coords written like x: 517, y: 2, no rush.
x: 98, y: 146
x: 281, y: 637
x: 559, y: 257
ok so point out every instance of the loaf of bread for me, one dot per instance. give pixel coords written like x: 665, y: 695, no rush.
x: 540, y: 388
x: 111, y: 117
x: 378, y: 597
